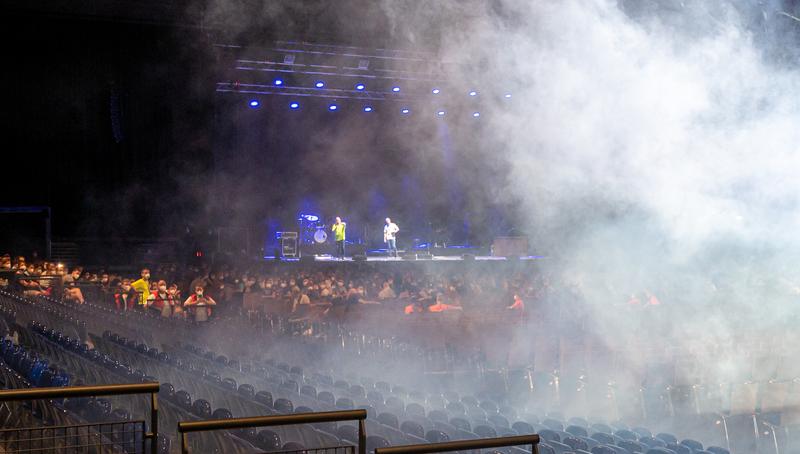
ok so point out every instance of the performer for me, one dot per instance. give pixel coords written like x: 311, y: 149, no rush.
x: 339, y: 228
x: 390, y: 237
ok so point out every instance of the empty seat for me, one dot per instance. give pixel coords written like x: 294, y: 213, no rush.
x: 374, y: 441
x: 485, y: 431
x: 415, y: 409
x: 667, y: 438
x: 247, y: 391
x: 632, y: 446
x: 437, y: 415
x: 575, y: 443
x: 345, y: 403
x: 347, y: 432
x: 326, y: 398
x: 603, y: 438
x: 389, y: 419
x: 264, y: 398
x: 553, y: 424
x: 283, y: 405
x: 202, y: 408
x: 413, y: 428
x: 626, y: 434
x: 221, y: 413
x: 549, y: 435
x: 309, y: 391
x: 692, y: 444
x: 577, y: 431
x: 436, y: 436
x: 523, y: 428
x: 461, y: 423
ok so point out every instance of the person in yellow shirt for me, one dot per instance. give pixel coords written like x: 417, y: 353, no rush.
x: 142, y: 287
x: 339, y: 228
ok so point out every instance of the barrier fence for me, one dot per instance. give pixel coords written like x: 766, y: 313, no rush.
x: 105, y: 437
x: 184, y: 428
x: 465, y: 445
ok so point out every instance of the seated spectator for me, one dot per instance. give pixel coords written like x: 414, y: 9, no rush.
x: 440, y: 306
x: 386, y: 293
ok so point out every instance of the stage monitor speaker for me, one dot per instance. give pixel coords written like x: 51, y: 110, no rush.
x: 359, y: 258
x: 424, y: 256
x: 409, y: 256
x: 308, y: 259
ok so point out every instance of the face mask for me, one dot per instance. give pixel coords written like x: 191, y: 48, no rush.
x: 126, y: 287
x: 162, y: 288
x: 146, y: 277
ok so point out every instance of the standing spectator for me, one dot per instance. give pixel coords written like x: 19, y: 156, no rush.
x: 200, y: 304
x: 142, y: 287
x: 125, y: 296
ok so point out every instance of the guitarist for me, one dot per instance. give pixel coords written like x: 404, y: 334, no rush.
x: 390, y: 237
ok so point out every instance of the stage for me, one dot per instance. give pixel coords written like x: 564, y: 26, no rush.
x: 405, y: 258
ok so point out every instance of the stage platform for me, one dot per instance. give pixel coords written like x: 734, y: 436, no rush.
x: 434, y: 258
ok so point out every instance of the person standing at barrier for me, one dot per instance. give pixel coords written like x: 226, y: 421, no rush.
x: 390, y: 230
x: 201, y: 304
x: 142, y: 287
x: 339, y: 230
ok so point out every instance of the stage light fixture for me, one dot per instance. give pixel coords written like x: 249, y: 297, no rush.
x: 294, y: 105
x: 440, y: 113
x: 319, y: 84
x: 254, y: 103
x: 473, y: 93
x: 278, y: 82
x: 476, y: 114
x: 507, y: 95
x: 405, y: 111
x: 435, y: 91
x: 367, y: 108
x: 360, y: 87
x: 396, y: 89
x: 332, y: 107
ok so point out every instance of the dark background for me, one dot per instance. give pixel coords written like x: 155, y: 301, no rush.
x: 110, y: 118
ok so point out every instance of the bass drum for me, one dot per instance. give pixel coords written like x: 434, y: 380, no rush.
x: 320, y: 236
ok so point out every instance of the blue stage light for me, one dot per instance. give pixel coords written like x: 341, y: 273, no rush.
x: 254, y: 103
x: 405, y: 111
x: 473, y: 93
x: 435, y: 91
x: 476, y: 114
x: 294, y: 105
x: 440, y: 113
x: 333, y: 107
x: 278, y: 81
x: 367, y: 108
x: 360, y: 87
x: 395, y: 89
x: 319, y: 84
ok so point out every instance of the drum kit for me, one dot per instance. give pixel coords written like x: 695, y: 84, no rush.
x: 313, y: 229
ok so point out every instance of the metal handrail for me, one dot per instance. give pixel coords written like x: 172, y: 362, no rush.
x: 278, y: 420
x: 464, y: 445
x: 86, y: 391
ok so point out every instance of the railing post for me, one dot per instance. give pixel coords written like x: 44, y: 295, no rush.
x: 154, y: 423
x: 362, y: 437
